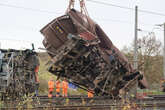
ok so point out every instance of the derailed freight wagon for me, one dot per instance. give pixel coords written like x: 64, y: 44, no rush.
x: 83, y: 53
x: 18, y: 72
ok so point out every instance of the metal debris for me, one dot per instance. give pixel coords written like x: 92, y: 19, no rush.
x: 17, y: 72
x: 84, y: 54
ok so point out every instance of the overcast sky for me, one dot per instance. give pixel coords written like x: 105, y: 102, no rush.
x: 21, y: 20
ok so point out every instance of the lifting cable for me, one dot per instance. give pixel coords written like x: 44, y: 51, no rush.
x: 71, y: 5
x: 83, y: 8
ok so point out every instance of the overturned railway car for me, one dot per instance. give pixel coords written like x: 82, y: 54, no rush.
x: 18, y: 72
x: 82, y: 53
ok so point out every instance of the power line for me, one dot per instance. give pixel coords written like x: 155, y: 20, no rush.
x: 94, y: 1
x: 128, y: 8
x: 124, y: 21
x: 114, y: 20
x: 26, y: 8
x: 109, y: 4
x: 150, y: 12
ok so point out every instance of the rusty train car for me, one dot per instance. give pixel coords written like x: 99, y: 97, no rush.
x: 18, y: 72
x: 82, y: 53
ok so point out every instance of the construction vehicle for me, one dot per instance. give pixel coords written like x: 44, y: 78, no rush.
x: 17, y: 72
x: 82, y: 53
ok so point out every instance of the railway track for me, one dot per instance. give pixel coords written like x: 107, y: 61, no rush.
x: 85, y: 103
x: 92, y: 107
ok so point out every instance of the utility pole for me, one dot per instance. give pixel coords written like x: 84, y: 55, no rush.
x: 163, y: 48
x: 135, y: 65
x: 135, y: 39
x: 164, y: 54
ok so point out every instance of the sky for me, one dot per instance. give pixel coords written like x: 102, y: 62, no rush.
x: 22, y: 20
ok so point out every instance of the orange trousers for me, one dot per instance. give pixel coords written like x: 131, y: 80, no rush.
x: 64, y: 92
x: 50, y: 94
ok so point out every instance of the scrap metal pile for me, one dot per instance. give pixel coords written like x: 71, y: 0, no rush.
x: 82, y: 53
x: 18, y: 70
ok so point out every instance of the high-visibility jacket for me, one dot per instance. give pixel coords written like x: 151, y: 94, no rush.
x: 36, y: 74
x: 51, y: 84
x: 64, y: 84
x: 36, y: 69
x: 58, y: 86
x: 90, y: 94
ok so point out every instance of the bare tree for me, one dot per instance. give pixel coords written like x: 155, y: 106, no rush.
x: 149, y: 57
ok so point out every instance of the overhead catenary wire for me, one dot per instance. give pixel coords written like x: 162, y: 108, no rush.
x: 94, y: 1
x: 109, y: 4
x: 27, y: 8
x: 52, y: 12
x: 128, y: 8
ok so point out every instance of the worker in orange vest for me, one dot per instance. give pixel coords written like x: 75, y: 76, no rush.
x: 58, y: 88
x: 64, y: 87
x: 90, y: 94
x: 51, y: 88
x: 36, y: 80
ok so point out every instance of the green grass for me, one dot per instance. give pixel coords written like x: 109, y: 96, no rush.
x: 45, y: 76
x: 151, y: 92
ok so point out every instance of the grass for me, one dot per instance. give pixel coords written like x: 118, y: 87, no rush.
x: 151, y: 92
x: 45, y: 76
